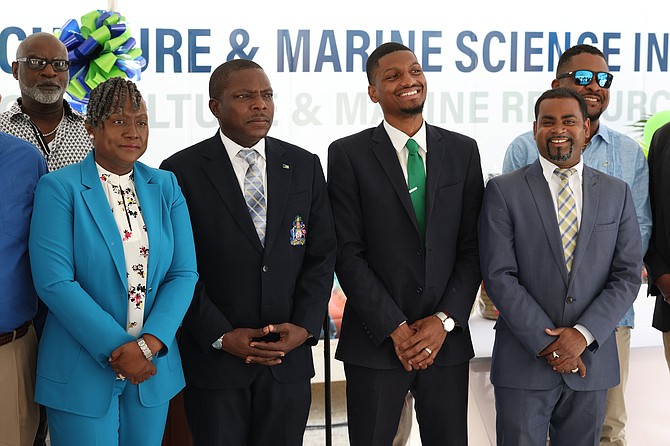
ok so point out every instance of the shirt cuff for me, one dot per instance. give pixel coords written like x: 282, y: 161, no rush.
x: 586, y: 333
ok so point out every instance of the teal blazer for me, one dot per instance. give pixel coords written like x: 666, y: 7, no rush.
x: 79, y: 272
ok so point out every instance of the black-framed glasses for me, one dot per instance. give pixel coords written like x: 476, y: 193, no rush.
x: 37, y: 63
x: 585, y: 77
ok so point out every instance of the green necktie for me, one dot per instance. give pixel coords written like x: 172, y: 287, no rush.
x: 416, y: 180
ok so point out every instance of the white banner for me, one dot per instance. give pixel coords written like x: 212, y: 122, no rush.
x: 485, y: 62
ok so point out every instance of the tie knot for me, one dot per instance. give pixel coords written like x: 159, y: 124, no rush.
x: 412, y: 146
x: 248, y: 155
x: 565, y: 174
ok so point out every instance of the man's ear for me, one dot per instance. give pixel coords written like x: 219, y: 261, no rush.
x: 214, y: 107
x: 372, y: 92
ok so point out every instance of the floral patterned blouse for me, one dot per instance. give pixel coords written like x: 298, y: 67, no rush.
x: 122, y: 198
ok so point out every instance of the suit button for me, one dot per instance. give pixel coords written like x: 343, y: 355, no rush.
x: 570, y: 299
x: 419, y: 252
x: 265, y: 268
x: 419, y: 290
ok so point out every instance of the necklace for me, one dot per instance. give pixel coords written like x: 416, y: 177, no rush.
x: 44, y: 135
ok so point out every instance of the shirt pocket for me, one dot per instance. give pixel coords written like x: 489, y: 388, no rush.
x: 15, y: 210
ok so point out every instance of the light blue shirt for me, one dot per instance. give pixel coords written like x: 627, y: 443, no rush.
x: 610, y: 152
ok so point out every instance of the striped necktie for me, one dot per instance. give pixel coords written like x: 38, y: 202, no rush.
x: 567, y: 216
x: 254, y: 192
x: 416, y: 181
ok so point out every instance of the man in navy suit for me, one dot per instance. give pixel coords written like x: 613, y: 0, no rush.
x: 265, y: 245
x: 561, y: 258
x: 406, y: 197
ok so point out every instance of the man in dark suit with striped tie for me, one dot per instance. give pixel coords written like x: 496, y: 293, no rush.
x: 406, y: 198
x: 265, y: 246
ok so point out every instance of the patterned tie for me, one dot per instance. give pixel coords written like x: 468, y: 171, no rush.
x: 416, y: 180
x: 254, y: 193
x: 567, y: 216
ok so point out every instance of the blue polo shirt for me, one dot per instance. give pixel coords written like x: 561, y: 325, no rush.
x: 21, y: 166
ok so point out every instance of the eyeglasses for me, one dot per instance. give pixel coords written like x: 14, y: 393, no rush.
x: 37, y: 63
x: 585, y: 77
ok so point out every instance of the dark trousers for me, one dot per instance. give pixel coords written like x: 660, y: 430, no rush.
x: 265, y: 413
x: 375, y: 399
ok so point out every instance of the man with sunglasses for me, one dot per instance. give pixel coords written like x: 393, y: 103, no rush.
x: 583, y: 68
x: 41, y: 116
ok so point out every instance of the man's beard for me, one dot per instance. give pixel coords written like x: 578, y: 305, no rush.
x: 413, y: 111
x: 41, y: 96
x: 558, y: 157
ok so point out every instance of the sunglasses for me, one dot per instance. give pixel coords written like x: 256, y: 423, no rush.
x: 585, y: 77
x: 37, y: 63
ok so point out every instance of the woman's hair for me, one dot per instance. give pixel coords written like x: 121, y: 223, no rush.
x: 108, y: 98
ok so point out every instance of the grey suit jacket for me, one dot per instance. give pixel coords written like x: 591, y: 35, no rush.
x: 525, y: 275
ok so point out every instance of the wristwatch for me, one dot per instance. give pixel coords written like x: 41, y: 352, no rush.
x: 448, y: 322
x: 218, y: 343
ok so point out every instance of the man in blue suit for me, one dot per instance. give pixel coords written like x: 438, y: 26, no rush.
x: 561, y: 258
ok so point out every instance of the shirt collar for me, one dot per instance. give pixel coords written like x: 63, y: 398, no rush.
x: 399, y: 138
x: 68, y: 111
x: 548, y: 168
x: 112, y: 178
x: 603, y: 133
x: 232, y: 148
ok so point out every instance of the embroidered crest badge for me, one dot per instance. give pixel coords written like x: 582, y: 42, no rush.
x: 298, y: 232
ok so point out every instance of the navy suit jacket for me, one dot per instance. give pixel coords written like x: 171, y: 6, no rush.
x: 526, y: 278
x: 658, y: 255
x: 242, y: 284
x: 386, y: 272
x: 79, y: 272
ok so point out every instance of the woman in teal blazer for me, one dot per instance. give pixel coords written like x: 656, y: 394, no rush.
x: 113, y: 258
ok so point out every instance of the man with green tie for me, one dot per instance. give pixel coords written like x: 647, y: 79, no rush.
x: 405, y: 198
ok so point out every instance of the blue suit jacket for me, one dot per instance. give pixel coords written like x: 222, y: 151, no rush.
x: 525, y: 275
x: 80, y: 273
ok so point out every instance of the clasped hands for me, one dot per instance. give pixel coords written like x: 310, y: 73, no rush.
x: 129, y: 361
x: 243, y: 343
x: 564, y: 354
x: 417, y: 344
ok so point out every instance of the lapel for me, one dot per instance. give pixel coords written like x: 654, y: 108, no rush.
x: 591, y: 194
x: 435, y: 160
x: 279, y: 185
x: 386, y: 155
x: 219, y: 170
x: 149, y: 197
x: 545, y: 206
x: 98, y: 206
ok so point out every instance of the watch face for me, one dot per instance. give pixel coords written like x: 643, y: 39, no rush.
x: 448, y: 324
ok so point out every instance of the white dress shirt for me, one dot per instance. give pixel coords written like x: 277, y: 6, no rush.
x: 575, y: 183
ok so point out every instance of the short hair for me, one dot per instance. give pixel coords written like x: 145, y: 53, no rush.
x: 559, y: 93
x: 382, y: 50
x: 218, y: 81
x: 574, y: 51
x: 108, y: 98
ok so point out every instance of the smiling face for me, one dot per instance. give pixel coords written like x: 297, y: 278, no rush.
x: 597, y: 98
x: 122, y: 138
x: 245, y: 107
x: 399, y: 86
x: 560, y: 131
x: 45, y: 86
